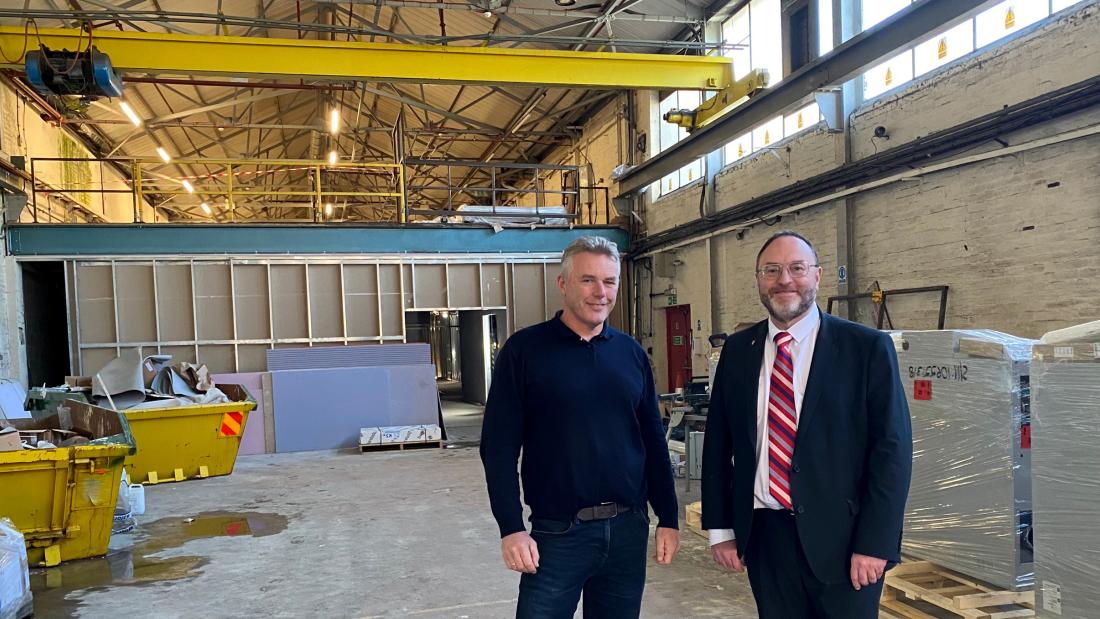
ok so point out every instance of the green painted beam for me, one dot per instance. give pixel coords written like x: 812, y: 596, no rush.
x: 190, y: 240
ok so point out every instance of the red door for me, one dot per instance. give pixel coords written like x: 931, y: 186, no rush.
x: 679, y: 345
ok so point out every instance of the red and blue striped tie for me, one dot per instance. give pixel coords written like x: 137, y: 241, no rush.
x: 782, y: 421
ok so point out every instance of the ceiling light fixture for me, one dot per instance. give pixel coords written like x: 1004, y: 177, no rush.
x: 332, y: 157
x: 205, y: 208
x: 165, y: 157
x: 334, y: 121
x: 565, y: 2
x: 188, y: 186
x: 129, y: 111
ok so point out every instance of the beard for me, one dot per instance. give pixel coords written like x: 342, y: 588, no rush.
x: 787, y: 312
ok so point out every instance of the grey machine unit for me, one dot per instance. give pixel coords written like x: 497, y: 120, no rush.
x: 695, y: 454
x: 1066, y: 409
x: 969, y: 505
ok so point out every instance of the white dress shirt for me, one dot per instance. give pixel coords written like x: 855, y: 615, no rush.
x: 804, y: 334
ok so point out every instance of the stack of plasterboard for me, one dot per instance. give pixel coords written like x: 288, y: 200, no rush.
x: 324, y: 396
x: 1066, y: 414
x: 371, y: 355
x: 969, y: 505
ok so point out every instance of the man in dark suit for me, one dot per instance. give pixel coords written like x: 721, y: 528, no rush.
x: 808, y: 451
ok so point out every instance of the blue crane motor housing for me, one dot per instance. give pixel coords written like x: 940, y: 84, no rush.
x: 85, y: 74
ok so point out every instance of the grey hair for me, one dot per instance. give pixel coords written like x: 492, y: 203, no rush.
x: 588, y: 244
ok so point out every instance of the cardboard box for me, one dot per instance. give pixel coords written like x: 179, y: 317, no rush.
x: 370, y: 436
x: 432, y: 432
x: 9, y: 439
x: 79, y: 382
x: 391, y: 435
x: 413, y: 434
x: 404, y: 434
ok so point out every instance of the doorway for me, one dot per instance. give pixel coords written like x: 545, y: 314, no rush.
x: 47, y: 319
x: 678, y: 345
x: 464, y: 344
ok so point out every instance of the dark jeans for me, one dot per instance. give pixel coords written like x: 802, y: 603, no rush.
x: 604, y: 559
x: 786, y: 588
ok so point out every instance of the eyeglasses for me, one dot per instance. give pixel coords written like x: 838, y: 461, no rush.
x: 798, y: 270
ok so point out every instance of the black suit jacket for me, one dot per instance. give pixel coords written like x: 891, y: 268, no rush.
x: 853, y: 451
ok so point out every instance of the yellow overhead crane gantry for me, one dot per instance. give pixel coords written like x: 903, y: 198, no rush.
x: 178, y: 54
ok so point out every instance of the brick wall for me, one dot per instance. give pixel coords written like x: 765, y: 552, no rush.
x: 1016, y: 238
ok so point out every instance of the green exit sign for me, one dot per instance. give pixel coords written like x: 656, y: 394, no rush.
x: 677, y: 340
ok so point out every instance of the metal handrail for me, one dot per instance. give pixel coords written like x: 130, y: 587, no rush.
x: 146, y: 184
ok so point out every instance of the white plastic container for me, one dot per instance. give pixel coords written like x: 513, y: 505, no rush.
x: 137, y: 499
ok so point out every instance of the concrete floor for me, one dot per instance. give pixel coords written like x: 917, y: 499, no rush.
x: 341, y: 534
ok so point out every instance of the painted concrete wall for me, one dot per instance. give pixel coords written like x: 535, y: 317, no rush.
x: 24, y: 133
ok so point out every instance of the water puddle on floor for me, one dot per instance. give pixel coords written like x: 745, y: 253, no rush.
x: 134, y: 566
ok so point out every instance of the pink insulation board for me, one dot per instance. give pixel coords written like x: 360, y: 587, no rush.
x: 253, y: 440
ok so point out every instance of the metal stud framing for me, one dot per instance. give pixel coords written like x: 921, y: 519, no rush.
x: 273, y: 339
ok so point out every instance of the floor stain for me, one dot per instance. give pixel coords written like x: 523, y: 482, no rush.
x: 135, y: 566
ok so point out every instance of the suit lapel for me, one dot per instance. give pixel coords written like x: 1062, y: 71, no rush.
x: 822, y: 369
x: 754, y: 358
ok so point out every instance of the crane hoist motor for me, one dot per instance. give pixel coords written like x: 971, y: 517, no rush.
x: 86, y: 74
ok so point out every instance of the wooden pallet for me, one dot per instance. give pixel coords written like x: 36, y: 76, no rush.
x: 693, y: 518
x: 912, y: 583
x: 401, y: 446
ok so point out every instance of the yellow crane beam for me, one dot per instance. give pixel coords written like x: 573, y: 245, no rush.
x: 178, y: 54
x: 721, y: 102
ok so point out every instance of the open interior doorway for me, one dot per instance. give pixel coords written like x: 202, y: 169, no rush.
x: 46, y: 318
x: 464, y: 344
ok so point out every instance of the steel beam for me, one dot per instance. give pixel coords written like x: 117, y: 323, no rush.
x: 178, y: 54
x: 511, y: 10
x: 400, y: 98
x: 273, y: 240
x: 840, y: 65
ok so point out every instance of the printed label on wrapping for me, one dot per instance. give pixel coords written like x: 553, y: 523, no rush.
x: 1052, y: 597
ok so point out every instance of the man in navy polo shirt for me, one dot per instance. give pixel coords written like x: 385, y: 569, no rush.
x: 576, y: 397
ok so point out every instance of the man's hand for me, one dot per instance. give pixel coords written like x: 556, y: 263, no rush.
x: 866, y: 570
x: 725, y: 554
x: 520, y: 552
x: 668, y: 542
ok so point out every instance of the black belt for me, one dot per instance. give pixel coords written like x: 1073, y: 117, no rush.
x: 767, y: 511
x: 603, y: 511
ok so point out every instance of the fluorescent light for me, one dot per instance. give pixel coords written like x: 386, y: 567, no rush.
x: 328, y: 210
x: 205, y: 208
x: 188, y: 186
x: 334, y: 121
x: 163, y: 154
x: 129, y: 111
x: 332, y: 157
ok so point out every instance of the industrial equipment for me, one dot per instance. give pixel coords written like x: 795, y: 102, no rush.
x: 86, y: 73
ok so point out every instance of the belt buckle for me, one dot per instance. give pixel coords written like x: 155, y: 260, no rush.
x: 606, y: 510
x: 603, y: 511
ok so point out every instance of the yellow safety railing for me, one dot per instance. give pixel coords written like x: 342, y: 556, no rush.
x: 196, y: 190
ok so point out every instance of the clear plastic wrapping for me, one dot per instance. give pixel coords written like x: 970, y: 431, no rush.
x: 15, y: 584
x: 1066, y: 415
x: 969, y: 506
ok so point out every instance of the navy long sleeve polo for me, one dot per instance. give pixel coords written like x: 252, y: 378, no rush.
x: 584, y: 415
